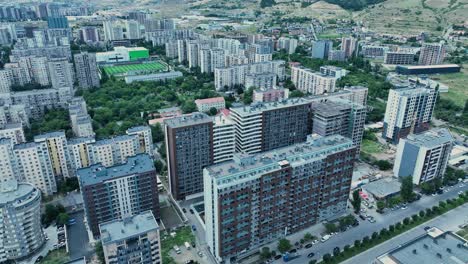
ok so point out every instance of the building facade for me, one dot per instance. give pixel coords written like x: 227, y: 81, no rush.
x: 257, y: 199
x: 111, y: 193
x: 424, y: 156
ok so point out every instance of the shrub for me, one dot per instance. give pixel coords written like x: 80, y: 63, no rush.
x: 415, y: 217
x: 346, y: 248
x: 357, y: 243
x: 384, y: 232
x: 398, y: 225
x: 365, y: 240
x: 406, y: 221
x: 422, y: 213
x: 391, y: 228
x: 375, y: 235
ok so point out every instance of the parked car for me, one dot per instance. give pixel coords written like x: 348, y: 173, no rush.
x: 184, y: 210
x: 200, y: 254
x: 191, y: 211
x: 293, y: 250
x: 311, y: 255
x: 194, y: 228
x: 39, y: 259
x: 362, y: 217
x: 277, y: 257
x: 177, y: 249
x: 427, y: 228
x: 308, y: 245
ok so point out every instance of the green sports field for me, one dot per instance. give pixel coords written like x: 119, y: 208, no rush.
x: 143, y: 67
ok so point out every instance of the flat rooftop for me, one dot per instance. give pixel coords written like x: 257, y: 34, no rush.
x: 131, y: 226
x: 438, y: 66
x: 243, y: 164
x: 261, y: 106
x: 330, y: 108
x: 196, y: 118
x: 12, y: 190
x: 434, y: 247
x: 96, y: 173
x: 431, y: 138
x: 383, y: 187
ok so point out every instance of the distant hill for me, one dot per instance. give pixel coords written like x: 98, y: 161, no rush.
x: 354, y: 4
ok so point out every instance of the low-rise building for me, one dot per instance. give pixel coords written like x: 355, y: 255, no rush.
x: 204, y: 105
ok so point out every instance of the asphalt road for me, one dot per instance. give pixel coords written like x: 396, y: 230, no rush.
x: 446, y: 222
x: 366, y: 229
x: 78, y: 242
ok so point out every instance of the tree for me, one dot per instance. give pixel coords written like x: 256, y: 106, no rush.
x: 365, y: 240
x: 296, y: 93
x: 391, y: 228
x: 314, y: 261
x: 406, y: 221
x: 380, y: 206
x: 336, y: 251
x: 62, y: 218
x: 308, y: 236
x: 100, y: 252
x: 407, y: 192
x: 374, y: 235
x: 415, y: 217
x: 189, y: 107
x: 265, y: 253
x: 213, y: 111
x: 267, y: 3
x: 383, y: 232
x: 248, y: 96
x: 356, y: 202
x: 50, y: 214
x: 383, y: 165
x: 284, y: 245
x: 326, y: 258
x: 330, y: 227
x: 157, y: 132
x: 346, y: 248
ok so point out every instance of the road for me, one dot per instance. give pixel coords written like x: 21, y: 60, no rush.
x: 366, y: 229
x: 446, y: 222
x: 77, y: 236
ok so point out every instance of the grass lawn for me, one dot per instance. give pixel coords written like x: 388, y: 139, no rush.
x: 183, y: 234
x: 456, y: 82
x: 370, y: 146
x: 463, y: 233
x: 58, y: 256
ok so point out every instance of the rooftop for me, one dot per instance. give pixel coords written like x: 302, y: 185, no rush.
x: 431, y: 138
x: 98, y: 173
x: 80, y: 140
x: 429, y: 66
x: 259, y: 107
x: 131, y: 226
x: 252, y: 165
x: 137, y: 129
x: 12, y: 190
x: 210, y: 100
x: 11, y: 126
x: 434, y: 247
x: 50, y: 135
x: 330, y: 108
x: 196, y: 118
x: 383, y: 187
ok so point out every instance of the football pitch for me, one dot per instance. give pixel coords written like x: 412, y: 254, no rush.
x: 120, y: 69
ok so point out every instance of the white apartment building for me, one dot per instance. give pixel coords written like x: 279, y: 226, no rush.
x: 13, y: 131
x: 115, y: 150
x: 61, y: 73
x: 6, y: 80
x: 262, y: 81
x: 58, y: 153
x: 145, y: 138
x: 20, y: 229
x: 248, y: 125
x: 231, y: 60
x: 204, y: 105
x: 424, y: 156
x: 35, y: 166
x: 224, y: 143
x: 287, y: 44
x: 78, y: 152
x: 263, y: 57
x: 8, y: 167
x: 314, y: 83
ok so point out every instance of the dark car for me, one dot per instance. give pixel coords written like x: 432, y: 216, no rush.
x: 184, y: 210
x: 191, y: 211
x: 308, y: 245
x: 440, y: 191
x: 277, y: 257
x: 362, y: 217
x: 39, y: 259
x: 293, y: 250
x: 194, y: 245
x: 194, y: 228
x: 427, y: 228
x: 311, y: 255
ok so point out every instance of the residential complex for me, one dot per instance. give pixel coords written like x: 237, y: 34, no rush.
x: 111, y: 193
x: 424, y: 156
x: 408, y: 110
x: 132, y: 239
x: 311, y: 82
x: 432, y: 54
x: 20, y: 229
x: 256, y: 199
x: 399, y: 58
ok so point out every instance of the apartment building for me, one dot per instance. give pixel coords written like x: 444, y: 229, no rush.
x: 79, y: 153
x: 336, y: 55
x: 133, y: 239
x: 204, y: 105
x: 111, y: 193
x: 13, y: 131
x: 399, y: 58
x: 6, y: 80
x: 349, y: 46
x: 312, y: 82
x: 339, y: 117
x: 35, y: 166
x: 374, y: 51
x: 321, y: 48
x: 8, y: 166
x: 333, y: 71
x: 424, y: 156
x: 266, y: 126
x: 224, y: 143
x: 145, y: 138
x: 287, y: 44
x: 56, y: 143
x: 87, y: 72
x: 189, y: 148
x: 114, y: 150
x: 432, y: 54
x: 408, y: 110
x: 61, y: 72
x: 20, y: 229
x: 257, y: 199
x: 262, y: 81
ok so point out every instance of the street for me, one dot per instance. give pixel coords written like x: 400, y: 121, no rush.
x: 447, y: 222
x: 366, y: 229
